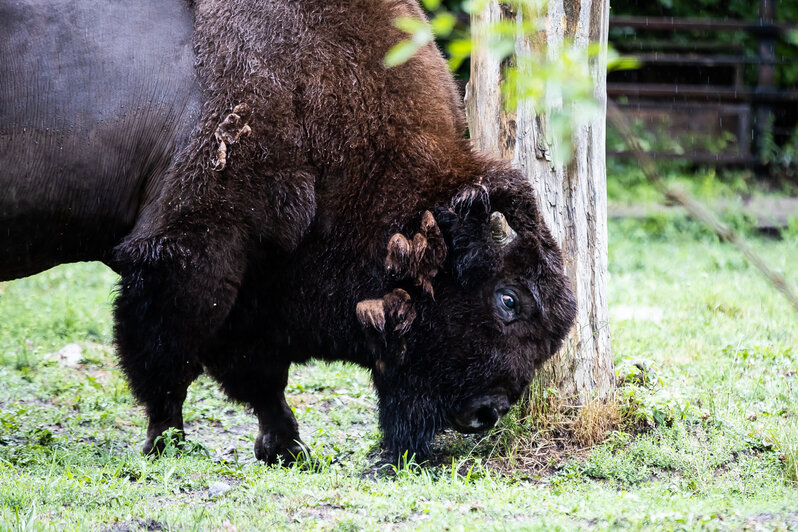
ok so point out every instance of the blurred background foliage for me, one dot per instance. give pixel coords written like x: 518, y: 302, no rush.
x: 450, y: 28
x: 558, y: 85
x: 786, y: 11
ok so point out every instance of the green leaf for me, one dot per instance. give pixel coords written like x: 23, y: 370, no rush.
x: 401, y: 52
x: 502, y: 48
x: 623, y: 63
x: 443, y: 24
x: 431, y: 5
x: 616, y: 61
x: 455, y: 62
x: 410, y: 25
x: 504, y: 28
x: 474, y: 6
x: 460, y: 48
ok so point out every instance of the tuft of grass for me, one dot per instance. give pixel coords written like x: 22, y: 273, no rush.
x: 786, y: 443
x: 543, y: 430
x: 542, y: 405
x: 595, y: 420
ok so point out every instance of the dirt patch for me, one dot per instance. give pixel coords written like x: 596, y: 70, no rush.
x: 772, y: 521
x: 536, y: 463
x: 136, y: 525
x: 228, y: 441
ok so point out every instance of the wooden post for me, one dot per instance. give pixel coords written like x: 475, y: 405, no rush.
x: 572, y: 197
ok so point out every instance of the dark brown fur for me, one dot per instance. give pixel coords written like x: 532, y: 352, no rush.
x: 244, y: 267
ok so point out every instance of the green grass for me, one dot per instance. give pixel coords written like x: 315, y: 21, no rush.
x: 708, y: 354
x: 627, y: 184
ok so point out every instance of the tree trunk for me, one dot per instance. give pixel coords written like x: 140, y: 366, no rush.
x: 573, y: 197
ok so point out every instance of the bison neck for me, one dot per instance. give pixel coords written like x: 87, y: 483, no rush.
x: 341, y: 261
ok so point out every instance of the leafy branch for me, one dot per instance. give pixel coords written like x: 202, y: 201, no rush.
x: 556, y: 82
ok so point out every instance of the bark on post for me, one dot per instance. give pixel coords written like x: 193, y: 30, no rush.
x: 572, y: 197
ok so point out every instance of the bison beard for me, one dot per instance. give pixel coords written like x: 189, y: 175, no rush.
x: 323, y: 206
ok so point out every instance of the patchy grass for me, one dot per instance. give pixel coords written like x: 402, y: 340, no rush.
x: 594, y: 421
x: 706, y: 436
x: 627, y: 184
x: 785, y: 440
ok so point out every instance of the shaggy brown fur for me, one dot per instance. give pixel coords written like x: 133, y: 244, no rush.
x: 282, y: 231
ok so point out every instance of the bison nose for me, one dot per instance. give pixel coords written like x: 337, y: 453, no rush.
x: 481, y: 413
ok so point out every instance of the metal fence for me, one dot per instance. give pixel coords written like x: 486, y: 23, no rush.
x: 701, y: 95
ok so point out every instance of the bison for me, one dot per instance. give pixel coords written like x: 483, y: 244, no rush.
x: 269, y: 192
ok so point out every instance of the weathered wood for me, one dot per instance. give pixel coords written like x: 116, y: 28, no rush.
x: 572, y: 197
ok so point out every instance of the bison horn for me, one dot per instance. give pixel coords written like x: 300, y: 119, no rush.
x: 500, y: 230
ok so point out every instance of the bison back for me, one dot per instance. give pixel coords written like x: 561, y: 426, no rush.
x: 95, y: 98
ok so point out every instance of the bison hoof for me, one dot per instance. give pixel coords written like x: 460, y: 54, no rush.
x: 271, y: 448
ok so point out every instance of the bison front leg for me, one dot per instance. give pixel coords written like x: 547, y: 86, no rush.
x: 174, y: 296
x: 250, y: 376
x: 278, y: 434
x: 252, y: 369
x: 164, y: 411
x: 156, y: 350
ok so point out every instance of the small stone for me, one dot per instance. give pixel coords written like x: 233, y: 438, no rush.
x: 217, y: 489
x: 70, y: 355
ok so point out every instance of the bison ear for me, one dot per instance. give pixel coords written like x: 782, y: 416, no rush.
x: 419, y: 258
x: 391, y: 315
x: 389, y: 318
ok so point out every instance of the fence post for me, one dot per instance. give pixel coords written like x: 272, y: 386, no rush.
x: 766, y: 74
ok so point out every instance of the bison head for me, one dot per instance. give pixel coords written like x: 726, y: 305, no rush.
x: 477, y: 302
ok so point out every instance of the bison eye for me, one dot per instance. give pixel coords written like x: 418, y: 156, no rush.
x: 508, y: 303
